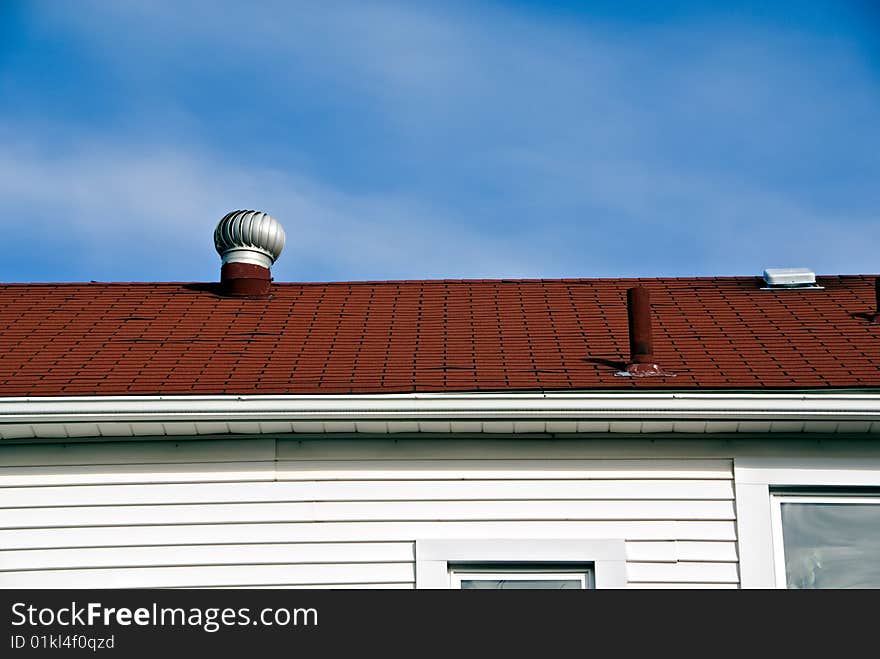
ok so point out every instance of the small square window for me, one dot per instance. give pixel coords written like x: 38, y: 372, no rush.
x: 521, y: 577
x: 510, y: 563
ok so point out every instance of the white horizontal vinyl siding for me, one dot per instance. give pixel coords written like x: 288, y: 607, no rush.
x: 330, y: 513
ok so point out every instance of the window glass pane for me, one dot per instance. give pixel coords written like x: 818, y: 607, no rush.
x: 521, y: 577
x: 525, y: 584
x: 831, y: 545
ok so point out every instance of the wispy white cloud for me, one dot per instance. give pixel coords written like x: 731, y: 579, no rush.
x: 436, y: 139
x: 160, y: 207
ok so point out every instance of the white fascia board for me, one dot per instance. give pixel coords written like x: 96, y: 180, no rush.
x: 735, y: 406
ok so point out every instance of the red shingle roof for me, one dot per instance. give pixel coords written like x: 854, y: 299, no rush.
x: 404, y: 336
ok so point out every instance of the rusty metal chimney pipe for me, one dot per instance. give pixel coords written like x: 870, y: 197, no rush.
x: 641, y: 340
x: 873, y: 317
x: 245, y: 280
x: 877, y: 297
x: 641, y: 337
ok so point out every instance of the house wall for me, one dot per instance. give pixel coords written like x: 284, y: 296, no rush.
x: 348, y: 512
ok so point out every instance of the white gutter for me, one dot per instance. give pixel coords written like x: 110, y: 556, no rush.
x: 736, y: 406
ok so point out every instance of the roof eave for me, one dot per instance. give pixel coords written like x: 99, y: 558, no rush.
x: 567, y: 412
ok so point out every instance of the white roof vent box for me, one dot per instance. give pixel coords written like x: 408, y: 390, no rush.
x: 784, y: 278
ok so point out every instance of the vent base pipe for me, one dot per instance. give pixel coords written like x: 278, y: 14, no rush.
x: 641, y: 338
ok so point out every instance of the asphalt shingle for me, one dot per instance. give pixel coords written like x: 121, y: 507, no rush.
x: 406, y: 336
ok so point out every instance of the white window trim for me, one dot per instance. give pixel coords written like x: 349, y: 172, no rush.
x: 755, y: 478
x: 434, y: 556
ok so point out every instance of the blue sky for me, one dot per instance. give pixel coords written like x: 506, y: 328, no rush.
x: 440, y: 139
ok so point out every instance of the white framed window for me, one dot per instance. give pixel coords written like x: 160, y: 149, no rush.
x: 514, y: 576
x: 510, y: 563
x: 826, y: 539
x: 764, y: 484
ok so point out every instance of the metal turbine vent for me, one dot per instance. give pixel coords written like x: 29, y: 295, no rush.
x: 246, y: 236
